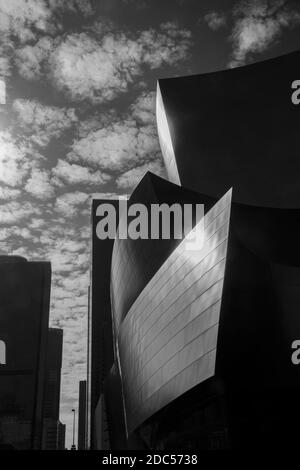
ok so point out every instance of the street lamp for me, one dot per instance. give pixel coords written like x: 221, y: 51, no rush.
x: 73, y: 447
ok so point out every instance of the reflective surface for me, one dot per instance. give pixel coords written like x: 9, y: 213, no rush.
x: 204, y: 348
x: 127, y: 266
x: 168, y: 340
x: 134, y: 262
x: 165, y: 139
x: 235, y: 128
x: 203, y: 340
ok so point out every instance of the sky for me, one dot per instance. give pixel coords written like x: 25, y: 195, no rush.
x: 79, y: 120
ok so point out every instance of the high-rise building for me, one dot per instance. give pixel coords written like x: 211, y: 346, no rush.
x: 52, y: 389
x: 100, y: 344
x: 61, y: 436
x: 201, y: 341
x: 82, y: 424
x: 24, y: 314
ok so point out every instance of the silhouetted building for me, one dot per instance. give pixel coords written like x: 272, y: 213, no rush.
x: 24, y: 306
x: 61, y: 436
x: 201, y: 341
x: 82, y: 415
x: 100, y: 342
x: 52, y: 389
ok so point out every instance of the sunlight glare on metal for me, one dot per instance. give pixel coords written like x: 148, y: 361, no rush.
x: 165, y: 139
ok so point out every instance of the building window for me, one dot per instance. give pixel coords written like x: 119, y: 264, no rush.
x: 2, y: 353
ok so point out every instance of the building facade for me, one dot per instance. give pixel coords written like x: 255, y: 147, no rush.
x: 202, y: 341
x: 100, y: 341
x: 51, y: 423
x: 82, y: 413
x: 132, y: 265
x: 240, y: 128
x: 24, y: 306
x: 61, y: 436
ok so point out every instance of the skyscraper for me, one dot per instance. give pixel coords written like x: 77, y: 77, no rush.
x: 82, y: 416
x: 24, y: 314
x: 100, y: 349
x: 52, y: 389
x: 61, y: 436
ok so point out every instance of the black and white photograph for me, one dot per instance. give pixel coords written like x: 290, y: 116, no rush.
x: 149, y: 228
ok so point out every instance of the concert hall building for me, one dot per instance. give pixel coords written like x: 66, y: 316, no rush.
x: 197, y: 348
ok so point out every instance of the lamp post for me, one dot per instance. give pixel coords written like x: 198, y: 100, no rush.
x: 73, y: 447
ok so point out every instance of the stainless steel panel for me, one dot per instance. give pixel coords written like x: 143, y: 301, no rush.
x: 168, y: 340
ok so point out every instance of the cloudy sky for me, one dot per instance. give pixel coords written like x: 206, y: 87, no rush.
x: 79, y: 119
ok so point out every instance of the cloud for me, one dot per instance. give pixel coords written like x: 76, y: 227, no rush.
x: 115, y: 147
x: 100, y: 64
x: 38, y: 185
x: 22, y: 18
x: 69, y: 204
x: 122, y: 143
x: 140, y: 4
x: 36, y: 223
x: 65, y: 172
x: 215, y: 20
x: 131, y: 178
x: 14, y: 164
x: 144, y: 108
x: 168, y: 46
x: 16, y: 231
x: 84, y: 7
x: 5, y: 65
x: 25, y: 20
x: 65, y: 262
x: 32, y: 60
x: 14, y: 211
x: 41, y: 122
x: 8, y: 193
x: 258, y: 24
x: 109, y: 196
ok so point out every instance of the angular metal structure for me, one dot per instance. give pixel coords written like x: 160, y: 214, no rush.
x: 168, y: 341
x: 202, y: 342
x: 235, y: 128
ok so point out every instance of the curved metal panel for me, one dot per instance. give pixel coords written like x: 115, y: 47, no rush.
x: 235, y: 128
x: 167, y: 342
x: 134, y: 262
